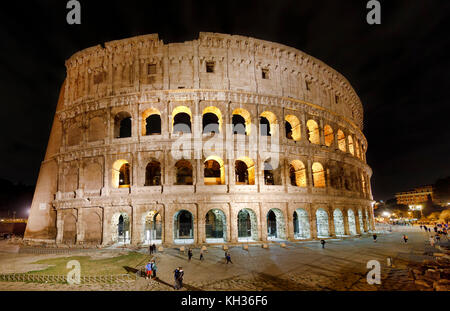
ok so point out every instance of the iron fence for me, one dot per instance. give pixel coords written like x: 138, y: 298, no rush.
x: 84, y: 279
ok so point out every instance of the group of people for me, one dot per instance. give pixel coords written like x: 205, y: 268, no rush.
x: 152, y: 248
x: 190, y: 254
x: 150, y: 270
x: 178, y: 275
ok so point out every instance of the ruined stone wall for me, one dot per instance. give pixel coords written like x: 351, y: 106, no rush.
x: 77, y: 199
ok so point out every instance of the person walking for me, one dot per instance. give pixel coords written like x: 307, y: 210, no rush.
x: 189, y: 254
x: 176, y: 276
x: 201, y: 254
x: 405, y: 238
x: 148, y: 270
x: 154, y: 268
x: 228, y: 258
x: 374, y: 237
x: 323, y: 243
x: 180, y: 276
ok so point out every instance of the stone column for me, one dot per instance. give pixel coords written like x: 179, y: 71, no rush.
x: 321, y: 133
x: 312, y: 222
x: 233, y: 227
x: 59, y: 226
x: 201, y: 233
x: 106, y: 238
x: 263, y: 210
x: 308, y: 168
x: 358, y: 227
x: 331, y: 229
x: 168, y: 225
x: 136, y: 228
x: 80, y: 226
x: 346, y: 225
x: 290, y: 222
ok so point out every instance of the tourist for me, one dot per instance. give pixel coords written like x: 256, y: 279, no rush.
x: 323, y: 243
x: 150, y: 249
x: 153, y: 265
x: 148, y: 270
x: 189, y: 254
x: 438, y: 238
x: 201, y: 254
x: 405, y: 238
x: 154, y: 248
x: 176, y: 276
x: 228, y: 257
x: 180, y: 276
x: 374, y: 237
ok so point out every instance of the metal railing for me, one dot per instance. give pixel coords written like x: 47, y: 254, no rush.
x: 84, y: 279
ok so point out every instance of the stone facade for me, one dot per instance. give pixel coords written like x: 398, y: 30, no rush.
x: 103, y: 181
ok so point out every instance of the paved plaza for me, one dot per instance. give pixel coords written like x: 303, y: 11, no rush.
x: 341, y: 265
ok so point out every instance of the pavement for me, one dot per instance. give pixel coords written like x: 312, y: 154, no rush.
x: 341, y: 265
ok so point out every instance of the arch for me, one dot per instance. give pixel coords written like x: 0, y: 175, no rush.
x: 122, y: 124
x: 121, y: 228
x: 338, y: 217
x: 153, y: 224
x: 183, y: 227
x: 69, y: 229
x: 276, y: 225
x: 350, y: 145
x: 183, y: 173
x: 212, y: 120
x: 301, y: 224
x: 245, y: 171
x: 151, y: 122
x: 239, y: 127
x: 341, y: 141
x: 121, y: 174
x: 93, y: 228
x: 271, y: 176
x: 153, y: 173
x: 292, y: 126
x: 322, y: 223
x: 313, y: 132
x: 267, y: 123
x: 357, y: 148
x: 297, y: 173
x: 181, y: 120
x: 214, y: 171
x: 329, y: 135
x: 361, y: 221
x: 247, y: 225
x: 318, y: 175
x: 215, y: 226
x: 351, y: 222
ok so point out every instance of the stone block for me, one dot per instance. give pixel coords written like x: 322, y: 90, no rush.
x: 423, y: 283
x: 432, y: 274
x: 225, y: 247
x: 160, y: 249
x: 265, y: 246
x: 182, y: 249
x: 245, y: 247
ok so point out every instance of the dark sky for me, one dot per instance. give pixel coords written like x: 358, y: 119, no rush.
x: 400, y: 69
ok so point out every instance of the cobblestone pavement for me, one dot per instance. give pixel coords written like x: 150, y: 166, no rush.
x: 298, y: 266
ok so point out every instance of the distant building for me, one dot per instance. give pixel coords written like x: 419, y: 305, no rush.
x: 415, y: 196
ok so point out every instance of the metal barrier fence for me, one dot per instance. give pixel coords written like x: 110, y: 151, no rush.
x: 84, y: 279
x: 29, y: 250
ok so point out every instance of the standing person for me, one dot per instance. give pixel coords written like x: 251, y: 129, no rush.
x: 176, y: 276
x: 405, y: 238
x: 201, y: 254
x: 154, y: 247
x: 148, y: 270
x: 189, y: 254
x: 150, y: 249
x: 323, y: 243
x: 438, y: 238
x: 153, y: 264
x: 180, y: 276
x: 228, y: 258
x: 374, y: 237
x: 431, y: 241
x: 421, y: 227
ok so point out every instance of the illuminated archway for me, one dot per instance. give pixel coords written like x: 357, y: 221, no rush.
x: 212, y: 120
x: 183, y: 225
x: 313, y: 132
x: 183, y: 173
x: 276, y: 226
x: 247, y: 225
x: 121, y: 174
x: 297, y: 173
x: 292, y: 126
x: 267, y: 123
x: 181, y: 120
x: 153, y: 228
x: 245, y: 171
x: 151, y: 122
x: 215, y: 226
x: 351, y: 222
x: 122, y: 125
x: 241, y: 115
x: 338, y: 222
x: 214, y: 172
x: 301, y: 224
x: 341, y: 141
x: 318, y: 175
x: 153, y: 174
x: 350, y: 145
x: 322, y: 223
x: 329, y: 135
x: 272, y: 176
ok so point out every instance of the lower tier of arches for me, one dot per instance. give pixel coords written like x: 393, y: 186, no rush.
x: 207, y: 223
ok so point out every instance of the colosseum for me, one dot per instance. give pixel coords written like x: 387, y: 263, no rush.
x: 223, y: 139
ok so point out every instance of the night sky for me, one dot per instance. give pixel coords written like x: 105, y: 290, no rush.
x: 399, y: 69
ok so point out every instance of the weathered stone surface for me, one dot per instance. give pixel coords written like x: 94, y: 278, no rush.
x: 423, y: 283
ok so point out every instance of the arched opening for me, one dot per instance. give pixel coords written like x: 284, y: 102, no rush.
x: 267, y: 123
x: 122, y: 125
x: 181, y: 120
x: 212, y: 120
x: 271, y: 176
x: 313, y: 132
x: 183, y: 227
x: 214, y: 172
x: 247, y: 225
x: 215, y: 226
x: 322, y: 223
x: 301, y: 224
x: 297, y: 173
x: 241, y: 121
x: 121, y: 234
x: 338, y: 217
x: 341, y: 141
x: 153, y: 228
x: 318, y: 175
x: 363, y: 184
x: 183, y: 173
x: 350, y: 145
x: 361, y: 221
x: 121, y: 176
x: 153, y: 174
x: 245, y: 171
x: 351, y: 222
x: 276, y: 227
x: 151, y: 122
x: 292, y: 127
x: 357, y: 148
x: 328, y: 134
x: 69, y: 230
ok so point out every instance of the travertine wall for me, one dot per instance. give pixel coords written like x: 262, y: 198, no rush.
x: 77, y: 199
